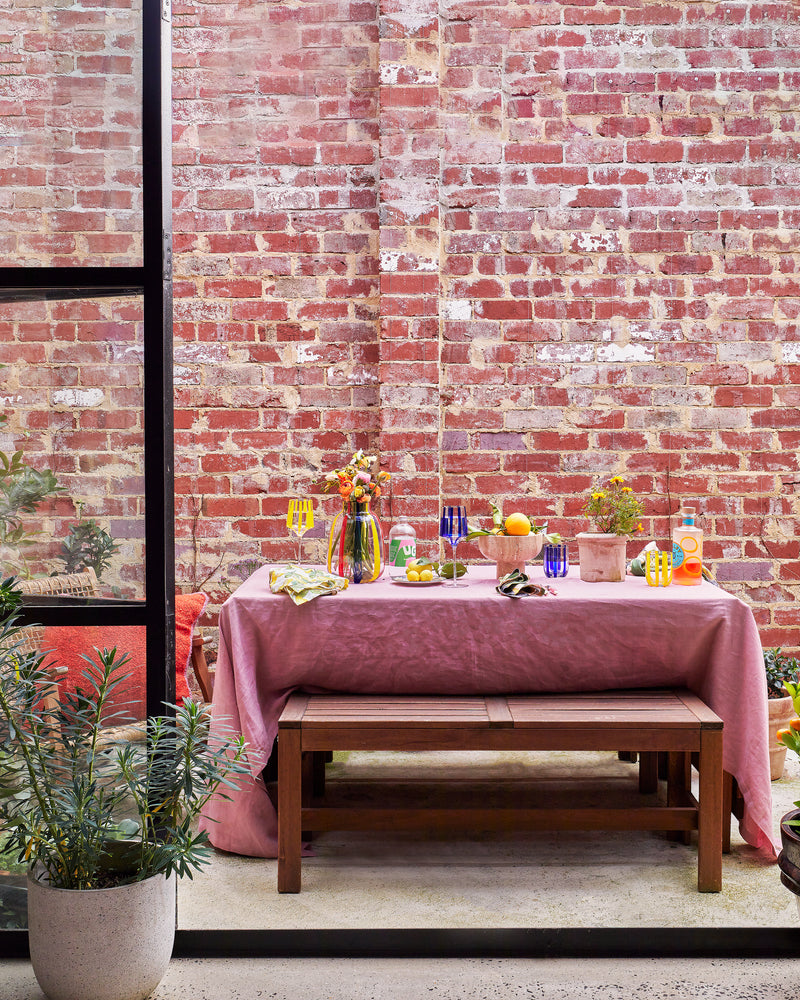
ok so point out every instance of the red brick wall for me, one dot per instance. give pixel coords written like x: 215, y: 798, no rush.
x: 509, y: 247
x: 513, y: 246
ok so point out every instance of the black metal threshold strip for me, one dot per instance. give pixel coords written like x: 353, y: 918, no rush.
x: 511, y: 943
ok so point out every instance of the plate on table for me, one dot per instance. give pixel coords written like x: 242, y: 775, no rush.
x: 405, y: 582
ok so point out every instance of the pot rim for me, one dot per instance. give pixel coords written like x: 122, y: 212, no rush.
x: 790, y: 831
x: 601, y: 534
x: 40, y: 883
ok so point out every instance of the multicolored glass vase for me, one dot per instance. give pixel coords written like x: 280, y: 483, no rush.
x: 355, y: 543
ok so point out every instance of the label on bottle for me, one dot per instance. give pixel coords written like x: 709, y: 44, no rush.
x: 687, y: 557
x: 402, y: 550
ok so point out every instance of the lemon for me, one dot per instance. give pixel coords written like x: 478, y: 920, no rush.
x: 412, y: 575
x: 426, y: 574
x: 517, y: 524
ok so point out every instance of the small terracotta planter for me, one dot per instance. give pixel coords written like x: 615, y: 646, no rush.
x: 602, y: 557
x: 781, y: 711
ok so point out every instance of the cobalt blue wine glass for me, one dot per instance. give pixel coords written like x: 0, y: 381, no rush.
x: 453, y: 527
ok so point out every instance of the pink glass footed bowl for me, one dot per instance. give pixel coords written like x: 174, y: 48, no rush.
x: 510, y: 552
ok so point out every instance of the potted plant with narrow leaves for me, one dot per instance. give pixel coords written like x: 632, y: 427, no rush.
x: 105, y: 826
x: 781, y: 670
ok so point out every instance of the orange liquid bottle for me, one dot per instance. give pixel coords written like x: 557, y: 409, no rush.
x: 687, y: 550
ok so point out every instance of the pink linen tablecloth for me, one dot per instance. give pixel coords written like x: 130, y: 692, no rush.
x: 388, y: 638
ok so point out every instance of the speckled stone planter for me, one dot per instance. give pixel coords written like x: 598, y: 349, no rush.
x: 107, y: 944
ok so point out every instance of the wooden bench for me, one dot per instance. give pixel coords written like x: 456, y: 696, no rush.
x: 671, y: 721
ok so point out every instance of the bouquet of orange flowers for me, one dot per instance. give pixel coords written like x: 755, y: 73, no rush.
x: 355, y: 481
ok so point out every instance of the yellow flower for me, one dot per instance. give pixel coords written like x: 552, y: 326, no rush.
x: 616, y: 479
x: 598, y: 496
x: 639, y: 527
x: 627, y: 489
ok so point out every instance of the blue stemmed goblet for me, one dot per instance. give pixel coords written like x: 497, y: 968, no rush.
x: 453, y: 527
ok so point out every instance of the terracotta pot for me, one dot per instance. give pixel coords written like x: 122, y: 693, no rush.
x: 602, y: 557
x: 781, y: 711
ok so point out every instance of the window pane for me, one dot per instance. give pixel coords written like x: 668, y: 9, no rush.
x: 70, y: 134
x: 72, y: 429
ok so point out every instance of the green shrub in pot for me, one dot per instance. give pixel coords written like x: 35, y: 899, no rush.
x: 105, y: 825
x: 779, y: 669
x: 68, y: 794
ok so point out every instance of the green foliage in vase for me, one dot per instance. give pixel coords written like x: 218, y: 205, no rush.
x: 89, y: 811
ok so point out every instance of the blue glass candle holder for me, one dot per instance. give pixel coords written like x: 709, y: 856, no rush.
x: 556, y: 560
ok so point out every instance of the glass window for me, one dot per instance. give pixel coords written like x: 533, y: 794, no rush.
x: 71, y: 406
x: 70, y: 134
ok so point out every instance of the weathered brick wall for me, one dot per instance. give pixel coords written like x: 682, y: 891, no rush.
x: 509, y: 247
x: 276, y: 273
x: 513, y: 246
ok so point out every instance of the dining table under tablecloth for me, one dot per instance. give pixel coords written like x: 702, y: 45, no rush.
x: 391, y: 638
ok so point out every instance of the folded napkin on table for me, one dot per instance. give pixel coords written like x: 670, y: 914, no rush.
x: 304, y: 583
x: 517, y: 584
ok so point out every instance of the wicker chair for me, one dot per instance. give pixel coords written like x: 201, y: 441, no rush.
x: 83, y: 584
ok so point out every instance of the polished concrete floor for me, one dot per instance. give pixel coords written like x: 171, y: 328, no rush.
x: 585, y: 879
x: 540, y: 881
x: 456, y: 979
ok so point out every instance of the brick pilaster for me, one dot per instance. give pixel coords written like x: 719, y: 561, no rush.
x: 409, y: 256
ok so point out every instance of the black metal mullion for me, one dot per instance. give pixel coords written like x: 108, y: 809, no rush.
x: 158, y: 389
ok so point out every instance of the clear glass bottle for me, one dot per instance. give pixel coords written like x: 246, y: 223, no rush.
x: 687, y: 550
x: 402, y: 543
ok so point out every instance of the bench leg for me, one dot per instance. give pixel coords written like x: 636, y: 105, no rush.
x: 289, y: 806
x: 678, y: 785
x: 710, y: 819
x: 648, y: 771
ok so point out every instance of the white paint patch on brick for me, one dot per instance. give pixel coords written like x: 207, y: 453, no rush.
x: 626, y: 353
x: 791, y: 352
x: 596, y: 242
x: 427, y: 265
x: 566, y: 352
x: 641, y: 332
x: 78, y: 398
x: 414, y: 15
x: 306, y: 352
x: 458, y: 309
x: 389, y: 259
x: 185, y: 376
x: 202, y: 354
x: 389, y: 73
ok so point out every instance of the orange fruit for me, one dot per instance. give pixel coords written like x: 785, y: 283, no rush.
x: 517, y: 524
